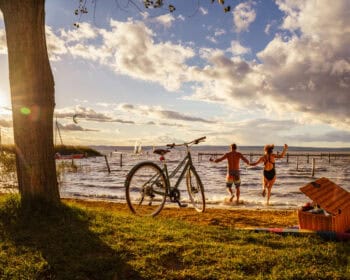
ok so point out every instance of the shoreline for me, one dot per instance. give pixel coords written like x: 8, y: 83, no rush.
x: 223, y: 205
x: 229, y: 217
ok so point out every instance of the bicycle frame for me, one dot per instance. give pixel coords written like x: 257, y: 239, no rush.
x: 185, y: 163
x: 148, y: 184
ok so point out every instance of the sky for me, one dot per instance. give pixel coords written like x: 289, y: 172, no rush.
x: 267, y: 71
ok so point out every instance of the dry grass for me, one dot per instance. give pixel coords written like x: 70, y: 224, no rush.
x: 239, y: 218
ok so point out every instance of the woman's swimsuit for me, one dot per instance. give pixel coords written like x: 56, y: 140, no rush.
x: 269, y: 174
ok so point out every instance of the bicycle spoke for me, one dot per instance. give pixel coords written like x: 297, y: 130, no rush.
x: 195, y: 190
x: 146, y: 189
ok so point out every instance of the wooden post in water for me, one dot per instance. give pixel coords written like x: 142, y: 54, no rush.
x: 313, y: 167
x: 308, y: 160
x: 287, y: 157
x: 121, y: 160
x: 109, y: 170
x: 297, y: 163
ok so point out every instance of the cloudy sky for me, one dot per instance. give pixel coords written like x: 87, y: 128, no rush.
x: 264, y: 72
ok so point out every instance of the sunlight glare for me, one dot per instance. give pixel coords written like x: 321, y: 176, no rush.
x: 5, y: 104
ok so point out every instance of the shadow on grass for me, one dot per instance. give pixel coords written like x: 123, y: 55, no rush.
x: 63, y: 239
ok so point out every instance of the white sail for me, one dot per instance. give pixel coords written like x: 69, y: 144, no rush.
x: 137, y: 148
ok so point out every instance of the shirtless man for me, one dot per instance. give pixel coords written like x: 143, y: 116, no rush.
x: 233, y: 174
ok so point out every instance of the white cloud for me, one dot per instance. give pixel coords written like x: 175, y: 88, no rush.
x: 158, y: 112
x: 308, y: 72
x: 267, y: 29
x: 311, y: 71
x: 84, y: 32
x: 211, y: 39
x: 3, y: 44
x: 89, y: 52
x: 87, y: 114
x: 55, y: 45
x: 136, y: 54
x: 6, y: 123
x: 238, y: 49
x: 166, y: 20
x: 243, y: 16
x: 219, y: 32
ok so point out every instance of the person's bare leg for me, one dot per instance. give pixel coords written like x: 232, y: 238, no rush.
x: 231, y: 194
x: 269, y: 187
x: 268, y: 195
x: 264, y: 186
x: 238, y: 193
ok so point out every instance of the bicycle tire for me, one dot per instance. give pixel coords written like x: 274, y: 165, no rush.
x: 145, y: 189
x: 195, y: 190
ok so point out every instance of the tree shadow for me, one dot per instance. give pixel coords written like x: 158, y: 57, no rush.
x: 63, y: 238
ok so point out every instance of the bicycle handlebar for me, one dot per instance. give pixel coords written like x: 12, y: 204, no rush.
x: 196, y: 141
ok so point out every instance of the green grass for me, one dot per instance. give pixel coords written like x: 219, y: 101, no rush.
x: 75, y: 242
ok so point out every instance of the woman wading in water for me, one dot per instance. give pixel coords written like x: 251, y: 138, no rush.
x: 269, y: 175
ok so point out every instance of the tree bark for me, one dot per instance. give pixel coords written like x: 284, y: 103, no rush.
x: 32, y: 97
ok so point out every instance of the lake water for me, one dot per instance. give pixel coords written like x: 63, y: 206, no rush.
x: 92, y: 179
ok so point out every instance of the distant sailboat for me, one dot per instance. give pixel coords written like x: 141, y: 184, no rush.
x: 137, y: 148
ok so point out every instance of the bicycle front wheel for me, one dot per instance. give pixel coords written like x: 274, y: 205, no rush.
x: 195, y: 190
x: 145, y: 188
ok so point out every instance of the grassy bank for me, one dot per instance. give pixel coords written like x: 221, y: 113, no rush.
x: 85, y: 240
x: 64, y: 150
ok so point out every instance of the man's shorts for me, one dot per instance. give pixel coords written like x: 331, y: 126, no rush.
x: 233, y: 177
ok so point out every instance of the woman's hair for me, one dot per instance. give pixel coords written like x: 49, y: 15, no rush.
x: 268, y: 148
x: 233, y: 146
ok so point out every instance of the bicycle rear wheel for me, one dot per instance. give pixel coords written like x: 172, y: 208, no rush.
x: 145, y: 188
x: 195, y: 190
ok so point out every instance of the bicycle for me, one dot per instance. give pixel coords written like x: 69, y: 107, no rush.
x: 147, y: 185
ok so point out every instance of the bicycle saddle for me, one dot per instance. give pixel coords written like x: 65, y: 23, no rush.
x: 161, y: 152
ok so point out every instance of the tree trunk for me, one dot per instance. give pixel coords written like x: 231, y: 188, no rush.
x: 32, y: 96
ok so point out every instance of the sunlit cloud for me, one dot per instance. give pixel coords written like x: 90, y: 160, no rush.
x: 219, y: 32
x: 165, y: 20
x: 136, y: 54
x: 160, y: 113
x: 238, y: 49
x: 55, y: 44
x: 6, y: 123
x: 85, y: 32
x: 87, y: 114
x: 304, y: 69
x: 243, y: 16
x: 73, y: 127
x: 3, y: 44
x: 267, y: 29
